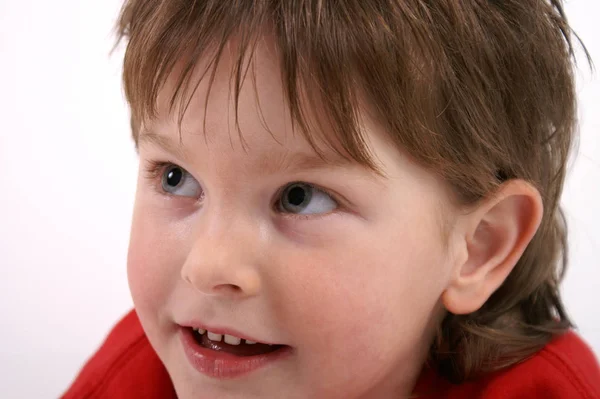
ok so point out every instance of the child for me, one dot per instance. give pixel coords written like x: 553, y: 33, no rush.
x: 346, y: 199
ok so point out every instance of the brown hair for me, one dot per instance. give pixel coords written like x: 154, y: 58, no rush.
x: 477, y: 91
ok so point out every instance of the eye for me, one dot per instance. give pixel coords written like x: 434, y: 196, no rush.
x: 305, y: 199
x: 177, y: 181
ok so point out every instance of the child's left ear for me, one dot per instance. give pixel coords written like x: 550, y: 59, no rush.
x: 495, y: 235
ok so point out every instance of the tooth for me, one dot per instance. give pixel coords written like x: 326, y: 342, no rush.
x: 195, y: 329
x: 250, y: 342
x: 214, y: 337
x: 200, y: 331
x: 231, y: 340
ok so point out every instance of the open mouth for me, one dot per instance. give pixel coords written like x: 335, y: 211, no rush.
x: 231, y: 344
x: 226, y: 356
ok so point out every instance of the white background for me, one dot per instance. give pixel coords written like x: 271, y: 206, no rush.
x: 67, y: 180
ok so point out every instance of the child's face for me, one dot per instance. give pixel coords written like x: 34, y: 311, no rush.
x: 342, y: 266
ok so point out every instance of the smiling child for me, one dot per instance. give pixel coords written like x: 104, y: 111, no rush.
x: 346, y: 199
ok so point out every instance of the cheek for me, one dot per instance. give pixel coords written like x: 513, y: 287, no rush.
x: 389, y: 285
x: 152, y: 266
x: 368, y: 302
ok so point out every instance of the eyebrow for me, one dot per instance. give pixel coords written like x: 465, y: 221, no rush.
x: 165, y: 143
x: 302, y: 161
x: 268, y: 165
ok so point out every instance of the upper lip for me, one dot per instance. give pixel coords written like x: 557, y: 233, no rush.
x: 224, y: 331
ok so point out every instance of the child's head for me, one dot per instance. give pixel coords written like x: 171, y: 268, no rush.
x: 373, y: 184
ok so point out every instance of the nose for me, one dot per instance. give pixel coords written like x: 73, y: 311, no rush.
x: 223, y: 260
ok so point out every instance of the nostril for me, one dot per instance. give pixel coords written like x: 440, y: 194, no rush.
x: 231, y: 288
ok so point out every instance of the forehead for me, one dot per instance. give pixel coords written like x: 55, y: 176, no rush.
x: 254, y: 121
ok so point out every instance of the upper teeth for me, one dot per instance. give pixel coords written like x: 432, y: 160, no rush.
x: 229, y: 339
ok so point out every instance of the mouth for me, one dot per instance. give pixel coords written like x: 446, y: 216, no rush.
x: 228, y: 356
x: 232, y: 344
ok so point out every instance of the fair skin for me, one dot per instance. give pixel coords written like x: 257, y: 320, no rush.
x: 353, y: 283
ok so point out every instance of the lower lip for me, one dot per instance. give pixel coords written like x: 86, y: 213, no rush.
x: 224, y: 365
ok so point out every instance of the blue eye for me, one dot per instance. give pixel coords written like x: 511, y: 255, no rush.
x: 304, y: 199
x: 177, y: 181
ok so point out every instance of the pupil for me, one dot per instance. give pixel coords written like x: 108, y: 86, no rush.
x: 174, y: 177
x: 296, y: 196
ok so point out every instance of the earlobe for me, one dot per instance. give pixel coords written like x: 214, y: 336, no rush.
x: 500, y: 229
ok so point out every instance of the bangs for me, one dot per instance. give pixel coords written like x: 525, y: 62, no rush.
x: 337, y: 70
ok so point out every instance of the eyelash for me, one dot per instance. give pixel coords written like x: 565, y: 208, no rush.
x: 300, y: 216
x: 153, y: 171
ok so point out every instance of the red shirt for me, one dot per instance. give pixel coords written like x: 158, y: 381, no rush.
x: 126, y: 367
